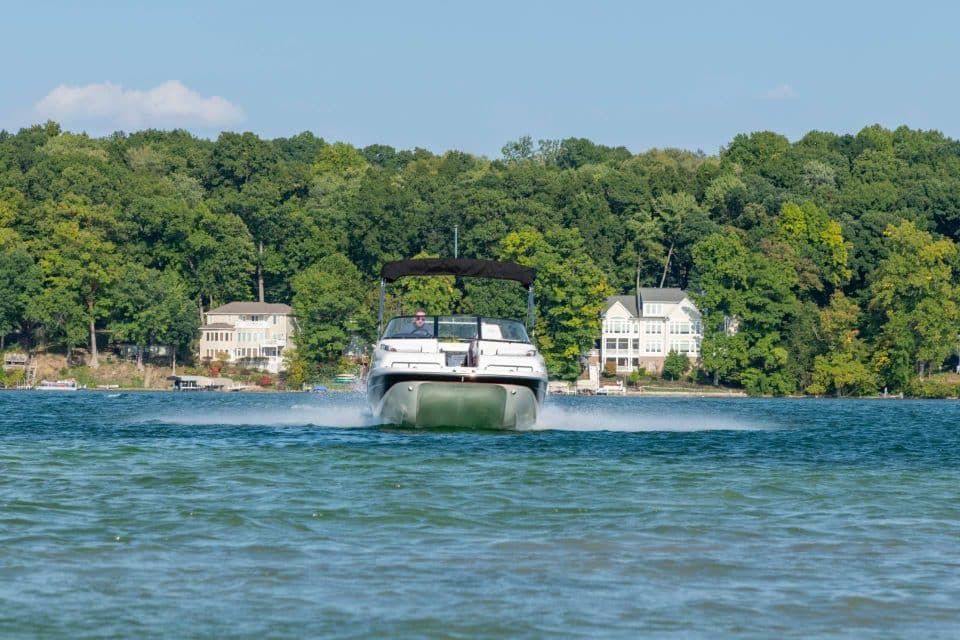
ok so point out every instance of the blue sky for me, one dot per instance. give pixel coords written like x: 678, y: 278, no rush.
x: 473, y: 75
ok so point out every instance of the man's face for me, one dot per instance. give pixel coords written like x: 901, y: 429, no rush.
x: 419, y: 319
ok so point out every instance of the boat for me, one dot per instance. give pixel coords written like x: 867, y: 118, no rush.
x: 457, y: 370
x: 69, y: 384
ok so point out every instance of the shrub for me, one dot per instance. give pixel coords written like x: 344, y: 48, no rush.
x: 674, y: 365
x: 609, y: 371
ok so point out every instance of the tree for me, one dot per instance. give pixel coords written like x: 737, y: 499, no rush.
x: 845, y: 365
x: 151, y: 308
x: 747, y: 300
x: 435, y: 295
x: 817, y: 240
x: 674, y: 365
x: 78, y: 265
x: 914, y: 304
x: 572, y: 292
x: 329, y: 303
x: 221, y: 258
x: 20, y: 282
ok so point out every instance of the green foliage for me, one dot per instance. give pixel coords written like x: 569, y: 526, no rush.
x: 915, y: 304
x: 436, y: 296
x: 571, y: 291
x: 132, y: 235
x: 328, y: 303
x: 932, y: 388
x: 675, y: 365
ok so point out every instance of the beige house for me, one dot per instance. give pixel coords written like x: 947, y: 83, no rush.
x: 248, y: 334
x: 638, y: 331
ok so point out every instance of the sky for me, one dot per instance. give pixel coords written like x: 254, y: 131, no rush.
x: 472, y: 76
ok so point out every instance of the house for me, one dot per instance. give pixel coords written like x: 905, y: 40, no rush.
x: 638, y: 331
x: 248, y: 334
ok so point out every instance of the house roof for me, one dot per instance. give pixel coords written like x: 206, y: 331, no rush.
x: 647, y: 295
x: 666, y: 294
x: 629, y: 303
x: 252, y: 307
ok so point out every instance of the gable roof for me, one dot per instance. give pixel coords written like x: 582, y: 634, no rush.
x: 628, y: 302
x: 670, y: 295
x: 252, y: 307
x: 666, y: 294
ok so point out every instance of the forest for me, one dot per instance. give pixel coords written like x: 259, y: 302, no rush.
x: 835, y: 256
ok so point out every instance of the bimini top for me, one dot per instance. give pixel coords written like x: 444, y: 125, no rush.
x: 459, y: 267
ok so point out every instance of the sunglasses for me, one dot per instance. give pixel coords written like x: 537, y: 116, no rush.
x: 420, y: 317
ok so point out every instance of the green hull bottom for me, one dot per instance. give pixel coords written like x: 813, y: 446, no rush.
x: 460, y: 405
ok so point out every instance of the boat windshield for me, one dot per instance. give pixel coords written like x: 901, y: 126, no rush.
x: 456, y: 327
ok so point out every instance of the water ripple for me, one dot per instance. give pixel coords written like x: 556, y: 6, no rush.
x: 209, y: 515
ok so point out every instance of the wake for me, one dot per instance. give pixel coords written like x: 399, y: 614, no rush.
x: 630, y: 420
x: 594, y: 417
x: 298, y: 415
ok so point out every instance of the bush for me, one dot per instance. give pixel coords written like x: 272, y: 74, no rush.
x: 609, y: 371
x: 932, y: 389
x: 674, y: 365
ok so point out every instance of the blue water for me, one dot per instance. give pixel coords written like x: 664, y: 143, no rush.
x: 161, y: 515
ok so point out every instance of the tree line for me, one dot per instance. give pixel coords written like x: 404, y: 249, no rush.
x: 834, y: 256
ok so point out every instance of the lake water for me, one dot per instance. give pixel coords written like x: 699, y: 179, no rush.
x: 149, y: 515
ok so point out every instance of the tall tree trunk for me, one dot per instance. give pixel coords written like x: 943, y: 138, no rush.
x: 173, y: 360
x: 666, y: 267
x: 94, y: 360
x: 260, y: 272
x: 139, y: 358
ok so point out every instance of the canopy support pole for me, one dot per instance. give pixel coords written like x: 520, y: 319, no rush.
x: 383, y: 291
x: 530, y: 312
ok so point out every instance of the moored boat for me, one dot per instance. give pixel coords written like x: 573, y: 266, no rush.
x: 68, y: 384
x: 456, y: 370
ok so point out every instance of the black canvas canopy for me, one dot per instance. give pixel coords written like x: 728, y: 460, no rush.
x: 459, y: 267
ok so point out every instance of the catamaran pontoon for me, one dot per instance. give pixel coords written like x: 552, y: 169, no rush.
x: 457, y: 370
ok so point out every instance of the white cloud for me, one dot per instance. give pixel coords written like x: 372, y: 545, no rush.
x: 783, y: 92
x: 167, y: 104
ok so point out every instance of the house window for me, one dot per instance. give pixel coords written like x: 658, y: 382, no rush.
x: 652, y: 309
x: 654, y: 328
x: 680, y: 328
x: 622, y: 343
x: 618, y: 325
x: 654, y: 347
x: 611, y: 343
x: 635, y: 344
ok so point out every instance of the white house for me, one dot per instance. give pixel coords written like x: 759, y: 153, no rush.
x: 638, y: 331
x: 248, y: 334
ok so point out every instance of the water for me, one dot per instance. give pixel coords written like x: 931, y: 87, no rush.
x: 149, y: 515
